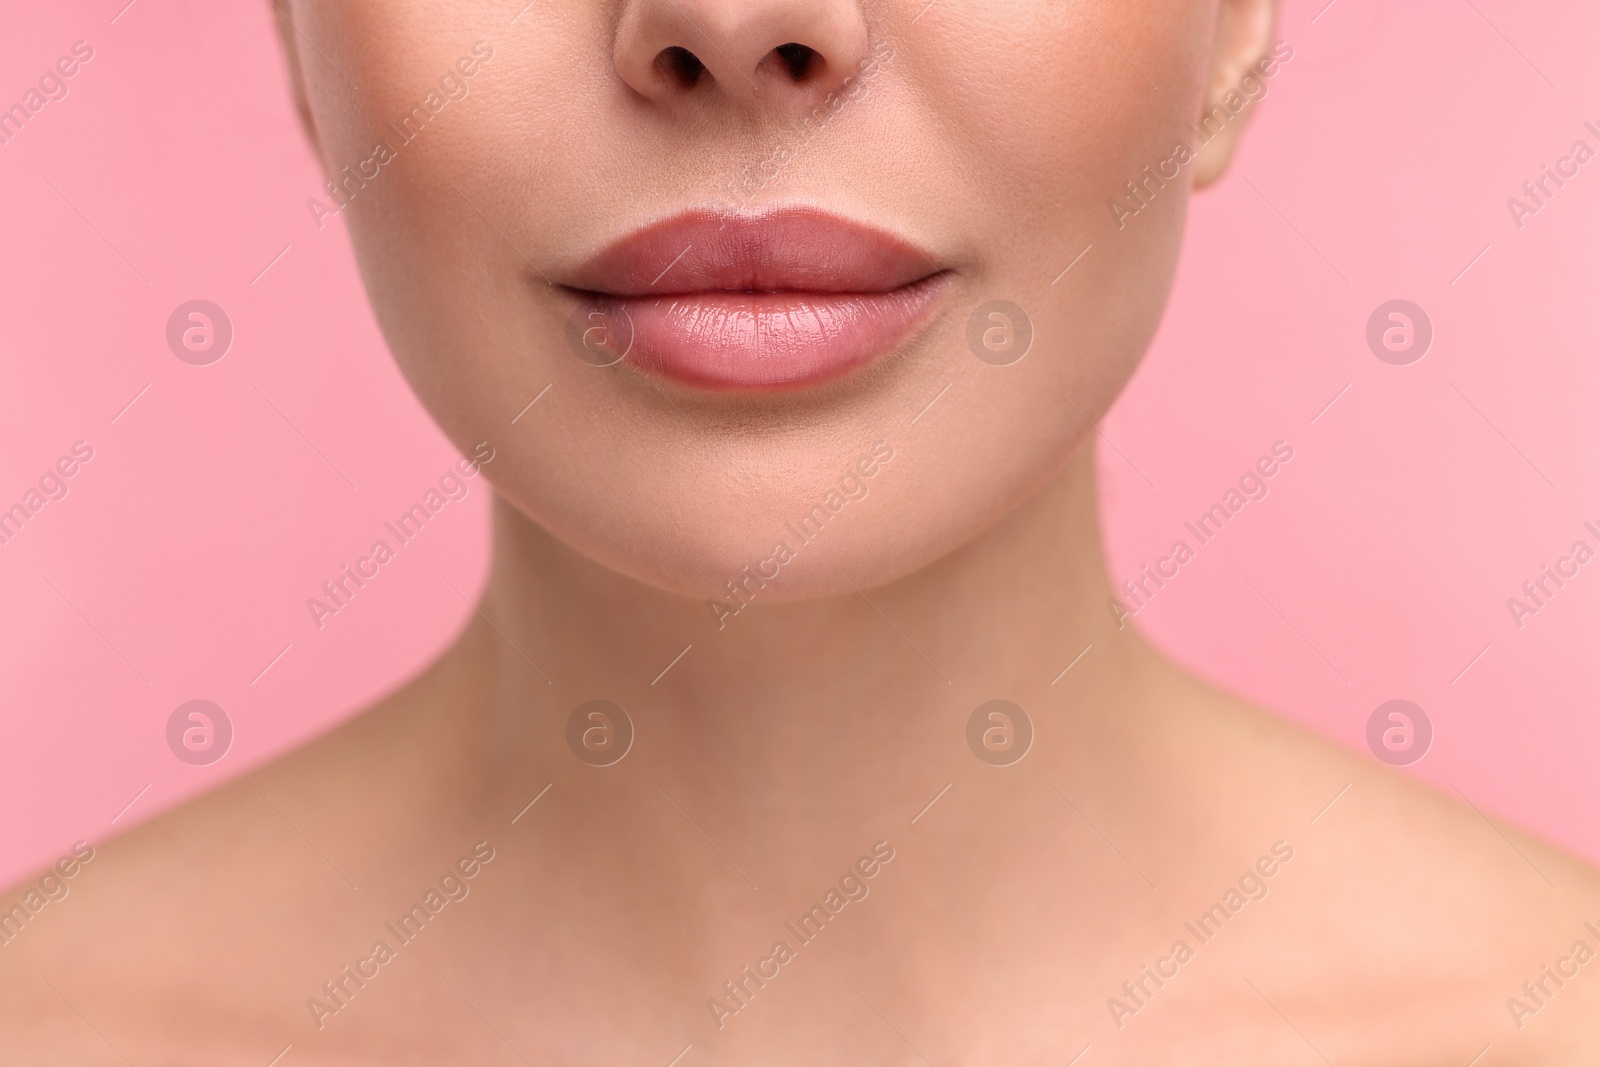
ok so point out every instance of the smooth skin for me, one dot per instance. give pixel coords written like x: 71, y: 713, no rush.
x: 826, y: 715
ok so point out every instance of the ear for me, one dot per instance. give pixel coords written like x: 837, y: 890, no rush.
x: 289, y: 36
x: 1242, y: 47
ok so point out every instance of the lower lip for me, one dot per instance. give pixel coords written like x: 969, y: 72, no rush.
x: 754, y: 342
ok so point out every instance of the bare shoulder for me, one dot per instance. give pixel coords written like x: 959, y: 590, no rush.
x: 217, y: 912
x: 141, y: 918
x: 1432, y: 923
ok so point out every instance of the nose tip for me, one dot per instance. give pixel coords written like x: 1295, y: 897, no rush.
x: 793, y: 51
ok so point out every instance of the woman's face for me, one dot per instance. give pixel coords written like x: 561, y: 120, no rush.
x: 873, y: 227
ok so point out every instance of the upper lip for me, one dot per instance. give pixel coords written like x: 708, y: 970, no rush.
x: 798, y: 250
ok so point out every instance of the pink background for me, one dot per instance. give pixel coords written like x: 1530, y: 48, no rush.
x: 1379, y: 167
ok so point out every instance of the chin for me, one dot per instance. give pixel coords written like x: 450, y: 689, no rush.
x: 778, y: 518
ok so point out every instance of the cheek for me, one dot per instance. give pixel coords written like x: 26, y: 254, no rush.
x: 1050, y: 115
x: 1053, y: 110
x: 1064, y: 114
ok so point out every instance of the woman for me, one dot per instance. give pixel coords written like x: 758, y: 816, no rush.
x: 781, y: 328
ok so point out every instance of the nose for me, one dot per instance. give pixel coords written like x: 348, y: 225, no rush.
x: 792, y: 51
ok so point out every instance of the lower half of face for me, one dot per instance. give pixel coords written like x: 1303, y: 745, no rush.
x: 799, y: 285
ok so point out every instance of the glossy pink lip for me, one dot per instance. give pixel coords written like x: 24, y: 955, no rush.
x: 780, y: 300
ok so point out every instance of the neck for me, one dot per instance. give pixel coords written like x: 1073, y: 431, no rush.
x: 798, y: 718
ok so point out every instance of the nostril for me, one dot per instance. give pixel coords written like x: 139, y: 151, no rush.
x: 798, y: 59
x: 681, y: 65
